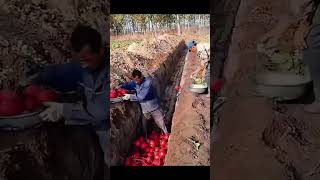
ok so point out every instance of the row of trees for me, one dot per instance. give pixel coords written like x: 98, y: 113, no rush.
x: 142, y: 23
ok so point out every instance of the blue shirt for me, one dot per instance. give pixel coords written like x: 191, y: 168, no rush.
x: 191, y: 44
x: 93, y: 86
x: 145, y: 94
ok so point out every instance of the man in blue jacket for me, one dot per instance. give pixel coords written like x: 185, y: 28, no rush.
x: 191, y: 44
x: 146, y: 95
x: 86, y: 73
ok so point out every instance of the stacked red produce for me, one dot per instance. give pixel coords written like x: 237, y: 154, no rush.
x: 114, y: 93
x: 150, y: 152
x: 13, y: 103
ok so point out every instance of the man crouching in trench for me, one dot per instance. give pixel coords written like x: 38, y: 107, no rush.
x: 87, y: 73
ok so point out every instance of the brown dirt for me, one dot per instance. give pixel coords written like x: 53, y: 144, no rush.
x: 146, y: 56
x: 190, y: 119
x: 36, y: 33
x: 51, y: 152
x: 256, y: 138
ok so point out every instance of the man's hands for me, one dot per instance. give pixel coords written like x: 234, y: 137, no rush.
x: 53, y: 113
x: 126, y: 97
x: 299, y: 36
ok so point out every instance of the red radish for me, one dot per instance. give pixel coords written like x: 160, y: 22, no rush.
x: 6, y: 94
x: 156, y: 153
x: 145, y: 155
x: 150, y: 154
x: 149, y: 160
x: 162, y: 154
x: 31, y: 103
x: 137, y: 143
x: 152, y: 143
x: 165, y: 136
x: 156, y: 149
x: 119, y: 94
x: 11, y: 107
x: 156, y: 162
x: 122, y: 91
x: 156, y: 157
x: 149, y: 149
x: 144, y: 145
x: 47, y: 95
x: 165, y: 146
x: 162, y: 142
x: 32, y: 90
x: 113, y: 94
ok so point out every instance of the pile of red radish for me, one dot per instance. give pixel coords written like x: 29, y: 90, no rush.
x: 13, y: 103
x: 150, y: 152
x: 115, y: 93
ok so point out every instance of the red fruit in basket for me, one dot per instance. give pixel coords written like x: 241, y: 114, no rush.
x: 46, y: 95
x: 137, y: 143
x: 152, y: 143
x: 11, y: 107
x: 31, y: 103
x: 156, y: 149
x: 144, y: 145
x: 113, y: 94
x: 32, y: 90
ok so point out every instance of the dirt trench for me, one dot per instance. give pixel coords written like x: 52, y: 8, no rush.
x: 126, y: 117
x: 189, y: 142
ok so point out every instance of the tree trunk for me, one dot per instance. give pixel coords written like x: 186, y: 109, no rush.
x: 178, y: 26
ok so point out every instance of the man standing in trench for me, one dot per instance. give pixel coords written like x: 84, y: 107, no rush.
x: 311, y: 53
x: 86, y: 73
x: 146, y: 95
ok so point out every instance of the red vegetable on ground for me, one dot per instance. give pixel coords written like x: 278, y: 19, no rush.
x: 149, y: 154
